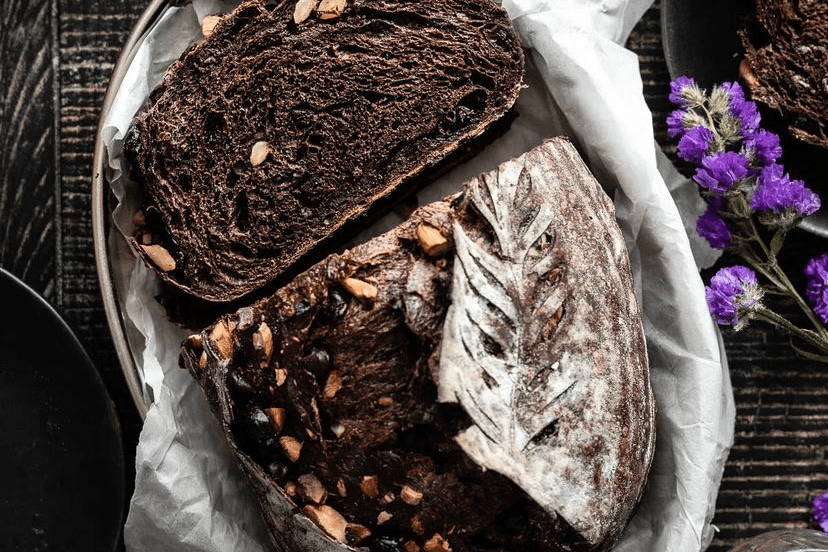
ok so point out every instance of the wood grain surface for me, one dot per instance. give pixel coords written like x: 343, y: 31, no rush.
x: 57, y: 59
x: 87, y: 42
x: 28, y: 244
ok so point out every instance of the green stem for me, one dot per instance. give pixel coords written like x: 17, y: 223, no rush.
x: 781, y: 280
x: 809, y: 355
x: 759, y: 266
x: 814, y: 339
x: 754, y: 233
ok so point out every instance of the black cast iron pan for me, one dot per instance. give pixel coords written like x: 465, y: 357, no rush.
x: 61, y: 458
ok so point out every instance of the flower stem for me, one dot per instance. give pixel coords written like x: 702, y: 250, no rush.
x: 713, y: 127
x: 814, y: 339
x: 809, y: 355
x: 781, y: 279
x: 759, y: 266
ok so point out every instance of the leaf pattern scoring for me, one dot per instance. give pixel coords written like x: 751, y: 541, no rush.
x: 543, y: 344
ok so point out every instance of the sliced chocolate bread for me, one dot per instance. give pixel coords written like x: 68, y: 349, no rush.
x: 786, y: 64
x: 292, y: 120
x: 475, y: 379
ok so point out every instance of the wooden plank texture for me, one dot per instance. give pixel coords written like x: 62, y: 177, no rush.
x: 28, y: 235
x: 58, y: 56
x: 90, y: 39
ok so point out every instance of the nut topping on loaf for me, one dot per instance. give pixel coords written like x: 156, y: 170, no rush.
x: 537, y: 287
x: 291, y: 121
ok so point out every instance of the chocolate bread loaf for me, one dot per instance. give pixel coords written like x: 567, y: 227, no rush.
x: 293, y: 119
x: 475, y: 379
x: 786, y: 64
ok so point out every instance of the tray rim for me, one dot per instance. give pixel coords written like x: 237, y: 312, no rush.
x: 101, y: 219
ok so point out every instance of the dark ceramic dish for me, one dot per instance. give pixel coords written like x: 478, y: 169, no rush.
x: 60, y: 453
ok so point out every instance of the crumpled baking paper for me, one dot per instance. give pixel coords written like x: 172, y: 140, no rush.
x: 581, y: 82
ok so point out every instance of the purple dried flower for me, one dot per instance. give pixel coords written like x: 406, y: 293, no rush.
x: 734, y: 91
x: 742, y: 109
x: 748, y: 114
x: 721, y: 170
x: 776, y: 192
x: 821, y: 511
x: 677, y: 88
x: 675, y: 123
x: 733, y: 295
x: 694, y: 144
x: 764, y: 147
x: 817, y: 292
x: 712, y: 227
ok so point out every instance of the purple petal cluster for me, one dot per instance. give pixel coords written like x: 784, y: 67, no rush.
x: 776, y: 192
x: 677, y: 87
x: 763, y: 147
x: 694, y: 144
x: 732, y: 296
x: 816, y: 271
x: 712, y: 227
x: 734, y: 91
x: 734, y: 156
x: 742, y: 109
x: 675, y: 123
x: 718, y: 172
x: 821, y: 511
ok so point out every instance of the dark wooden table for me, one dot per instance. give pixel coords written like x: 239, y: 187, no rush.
x: 57, y: 56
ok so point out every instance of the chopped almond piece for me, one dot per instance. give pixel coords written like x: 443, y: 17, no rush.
x: 432, y: 240
x: 370, y: 486
x: 360, y: 289
x: 277, y: 417
x: 328, y: 519
x: 291, y: 446
x: 357, y: 533
x: 411, y: 496
x: 333, y: 384
x: 437, y: 544
x: 311, y: 489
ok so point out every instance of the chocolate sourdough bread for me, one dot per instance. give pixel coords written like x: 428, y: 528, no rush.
x: 292, y: 120
x: 475, y: 379
x: 786, y: 64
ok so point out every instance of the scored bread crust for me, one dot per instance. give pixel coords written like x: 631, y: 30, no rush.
x: 348, y: 112
x: 337, y: 375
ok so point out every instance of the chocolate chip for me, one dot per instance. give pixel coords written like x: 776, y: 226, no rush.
x: 317, y: 361
x: 240, y: 385
x: 301, y: 309
x: 255, y: 433
x: 385, y: 544
x: 337, y: 304
x: 277, y: 470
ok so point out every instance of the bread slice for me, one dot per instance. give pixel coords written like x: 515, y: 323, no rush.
x: 786, y: 64
x: 342, y: 395
x: 292, y: 120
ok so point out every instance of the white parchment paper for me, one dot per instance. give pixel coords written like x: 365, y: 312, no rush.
x: 189, y: 495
